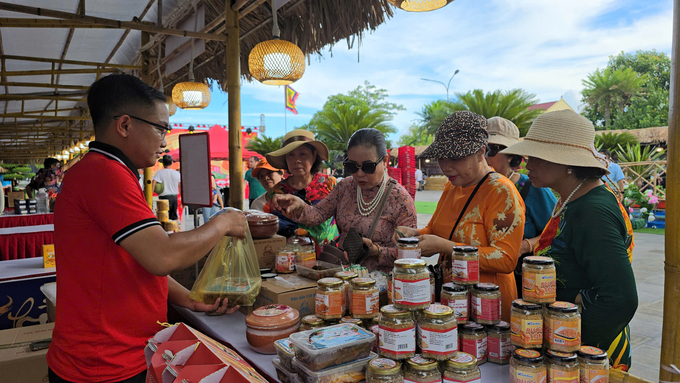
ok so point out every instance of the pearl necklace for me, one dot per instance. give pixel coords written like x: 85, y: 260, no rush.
x: 562, y: 205
x: 367, y: 208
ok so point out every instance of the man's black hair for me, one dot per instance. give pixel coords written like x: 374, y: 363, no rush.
x: 49, y: 162
x: 118, y: 94
x: 167, y: 160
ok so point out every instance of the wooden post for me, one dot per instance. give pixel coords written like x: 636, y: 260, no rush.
x: 145, y: 75
x: 232, y: 58
x: 670, y: 338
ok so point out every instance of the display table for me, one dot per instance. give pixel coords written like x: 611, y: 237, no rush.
x: 11, y: 220
x: 231, y: 329
x: 22, y: 236
x: 20, y: 282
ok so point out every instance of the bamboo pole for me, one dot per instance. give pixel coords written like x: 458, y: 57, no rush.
x: 233, y: 61
x: 34, y: 117
x: 42, y: 85
x: 670, y: 338
x: 146, y: 76
x: 71, y: 62
x: 60, y: 71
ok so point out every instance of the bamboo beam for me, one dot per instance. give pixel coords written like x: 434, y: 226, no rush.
x: 15, y: 22
x: 169, y: 56
x: 127, y: 31
x: 39, y: 85
x: 251, y: 7
x: 70, y: 62
x: 46, y: 72
x: 110, y: 23
x: 233, y: 62
x: 56, y: 118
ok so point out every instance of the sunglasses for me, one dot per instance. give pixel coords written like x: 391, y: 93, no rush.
x: 493, y: 149
x: 163, y: 129
x: 368, y: 167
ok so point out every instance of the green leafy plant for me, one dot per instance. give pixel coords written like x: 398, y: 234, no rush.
x: 636, y: 153
x: 335, y: 126
x: 263, y: 144
x: 612, y: 141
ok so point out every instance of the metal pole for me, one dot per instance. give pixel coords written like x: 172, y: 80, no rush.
x: 232, y: 59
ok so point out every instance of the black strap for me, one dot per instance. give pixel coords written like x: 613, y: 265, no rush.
x: 479, y: 184
x: 525, y: 190
x: 381, y: 208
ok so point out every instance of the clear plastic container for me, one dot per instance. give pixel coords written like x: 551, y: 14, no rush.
x: 332, y: 346
x: 353, y: 372
x: 465, y: 267
x: 318, y: 270
x: 284, y: 374
x: 284, y: 349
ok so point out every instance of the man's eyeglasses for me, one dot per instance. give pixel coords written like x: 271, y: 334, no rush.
x: 493, y: 149
x: 162, y: 128
x: 368, y: 167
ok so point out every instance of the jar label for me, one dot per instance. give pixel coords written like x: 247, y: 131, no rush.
x: 486, y: 309
x: 528, y: 376
x: 337, y: 336
x: 440, y: 342
x: 563, y: 333
x: 559, y: 376
x: 285, y: 263
x: 402, y: 341
x: 460, y: 309
x: 422, y: 381
x: 538, y: 285
x: 408, y: 253
x: 383, y: 363
x: 476, y: 347
x: 365, y: 304
x: 465, y: 271
x: 594, y: 375
x: 529, y: 332
x: 499, y: 348
x: 411, y: 292
x: 271, y: 310
x: 327, y: 305
x: 452, y: 380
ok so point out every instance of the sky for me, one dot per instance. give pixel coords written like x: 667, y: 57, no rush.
x: 546, y: 47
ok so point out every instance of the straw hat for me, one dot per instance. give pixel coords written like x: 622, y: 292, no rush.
x: 263, y: 164
x: 563, y: 137
x: 293, y: 140
x: 502, y: 131
x: 460, y: 134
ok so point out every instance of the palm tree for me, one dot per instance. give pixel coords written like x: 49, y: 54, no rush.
x: 601, y: 91
x: 432, y: 116
x: 612, y: 141
x: 334, y: 126
x: 630, y: 83
x: 512, y: 104
x: 263, y: 145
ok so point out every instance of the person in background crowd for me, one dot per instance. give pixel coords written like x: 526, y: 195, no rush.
x: 114, y: 256
x: 52, y: 169
x: 255, y: 187
x: 268, y: 176
x: 217, y: 202
x: 589, y: 235
x: 615, y: 173
x: 355, y: 197
x: 419, y: 179
x: 172, y: 184
x: 494, y: 218
x: 539, y: 202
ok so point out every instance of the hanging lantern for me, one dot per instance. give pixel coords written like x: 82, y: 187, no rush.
x: 419, y: 5
x: 172, y: 107
x: 191, y: 95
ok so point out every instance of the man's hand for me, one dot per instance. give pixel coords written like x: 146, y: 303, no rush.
x: 218, y: 308
x: 232, y: 222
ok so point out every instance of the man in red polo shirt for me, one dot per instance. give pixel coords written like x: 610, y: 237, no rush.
x: 114, y: 257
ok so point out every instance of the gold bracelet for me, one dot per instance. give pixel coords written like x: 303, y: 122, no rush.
x: 531, y: 247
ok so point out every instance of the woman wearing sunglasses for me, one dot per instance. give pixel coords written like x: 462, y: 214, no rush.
x: 356, y: 201
x: 478, y: 207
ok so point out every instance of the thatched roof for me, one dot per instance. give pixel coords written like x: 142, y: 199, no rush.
x: 645, y: 136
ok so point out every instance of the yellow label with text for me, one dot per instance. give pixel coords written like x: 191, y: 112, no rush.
x: 48, y: 256
x: 558, y: 376
x: 539, y: 285
x: 528, y: 332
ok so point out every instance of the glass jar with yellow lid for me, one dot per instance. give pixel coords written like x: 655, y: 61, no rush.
x: 422, y: 370
x: 311, y: 322
x: 411, y: 288
x: 383, y: 370
x: 330, y: 300
x: 364, y: 298
x: 346, y: 277
x: 397, y: 338
x: 462, y: 368
x: 437, y: 332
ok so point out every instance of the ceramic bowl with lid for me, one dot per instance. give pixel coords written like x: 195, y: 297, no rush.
x: 268, y: 324
x: 262, y: 225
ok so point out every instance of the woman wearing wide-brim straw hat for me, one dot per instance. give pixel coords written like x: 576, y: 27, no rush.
x: 589, y: 234
x: 302, y: 156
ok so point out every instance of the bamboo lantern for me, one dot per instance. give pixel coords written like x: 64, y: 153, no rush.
x: 191, y: 95
x: 172, y: 107
x: 419, y: 5
x: 276, y: 62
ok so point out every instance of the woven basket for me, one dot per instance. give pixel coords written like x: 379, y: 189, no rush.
x: 435, y: 182
x: 616, y: 376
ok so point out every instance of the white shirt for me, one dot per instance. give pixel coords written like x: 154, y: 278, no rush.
x: 419, y: 175
x: 170, y: 179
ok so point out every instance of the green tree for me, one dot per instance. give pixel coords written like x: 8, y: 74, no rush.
x: 415, y: 137
x: 510, y: 104
x: 367, y: 95
x: 334, y: 126
x: 612, y: 141
x: 601, y: 92
x: 263, y: 144
x: 431, y: 117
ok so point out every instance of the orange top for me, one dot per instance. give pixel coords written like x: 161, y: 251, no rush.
x: 493, y: 222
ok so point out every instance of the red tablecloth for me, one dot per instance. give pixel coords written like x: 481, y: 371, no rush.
x: 24, y: 245
x: 26, y: 220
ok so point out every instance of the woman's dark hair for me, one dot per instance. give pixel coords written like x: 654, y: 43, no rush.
x: 372, y: 138
x: 316, y: 166
x: 515, y: 161
x: 587, y: 173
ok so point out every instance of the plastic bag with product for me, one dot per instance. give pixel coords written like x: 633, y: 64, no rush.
x: 231, y: 271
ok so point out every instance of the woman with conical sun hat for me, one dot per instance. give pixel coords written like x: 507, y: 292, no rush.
x: 589, y: 234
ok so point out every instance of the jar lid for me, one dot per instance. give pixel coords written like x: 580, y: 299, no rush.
x: 524, y: 305
x: 329, y: 282
x: 438, y: 311
x: 268, y: 275
x: 561, y: 356
x: 537, y: 260
x: 363, y: 282
x: 502, y: 326
x: 419, y: 363
x: 346, y: 275
x: 473, y: 327
x: 462, y: 360
x: 312, y: 320
x: 256, y: 217
x: 299, y: 240
x: 486, y: 287
x: 265, y: 271
x: 285, y: 251
x: 393, y: 312
x: 525, y: 355
x: 465, y: 249
x: 409, y: 263
x: 272, y: 317
x: 563, y: 307
x: 408, y: 240
x: 351, y: 320
x: 454, y: 288
x: 592, y: 353
x: 384, y: 366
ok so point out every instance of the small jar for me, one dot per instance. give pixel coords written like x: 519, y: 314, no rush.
x: 593, y: 363
x: 408, y: 248
x: 383, y: 370
x: 437, y: 332
x: 364, y: 298
x: 375, y: 329
x: 539, y: 280
x: 465, y: 266
x: 262, y: 225
x: 486, y: 303
x: 311, y: 322
x: 422, y: 370
x: 462, y: 368
x: 305, y: 255
x: 397, y: 333
x: 285, y: 261
x: 411, y: 284
x: 562, y: 367
x: 526, y: 366
x: 526, y: 320
x: 267, y: 324
x: 473, y: 340
x: 499, y: 344
x: 562, y: 327
x: 456, y: 297
x: 330, y: 302
x: 346, y: 277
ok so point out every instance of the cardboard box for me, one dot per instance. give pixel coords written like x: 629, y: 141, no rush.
x: 299, y: 296
x: 48, y: 256
x: 11, y: 196
x: 266, y: 250
x: 188, y: 276
x: 18, y: 364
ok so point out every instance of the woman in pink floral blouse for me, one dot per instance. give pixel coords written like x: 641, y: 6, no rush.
x: 354, y: 201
